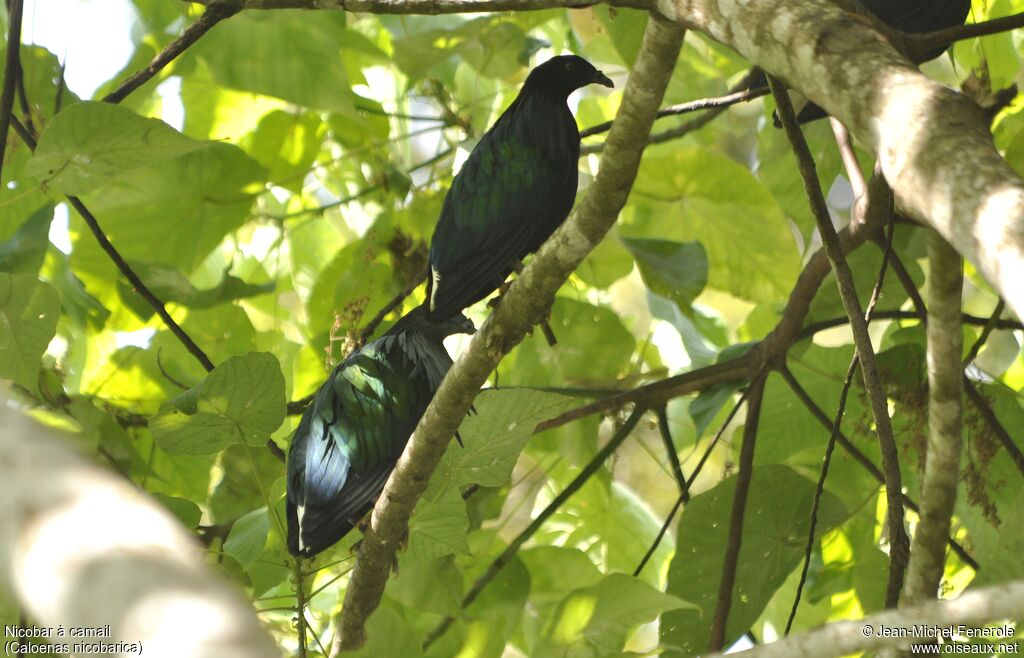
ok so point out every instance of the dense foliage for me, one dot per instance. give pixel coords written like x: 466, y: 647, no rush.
x: 297, y: 197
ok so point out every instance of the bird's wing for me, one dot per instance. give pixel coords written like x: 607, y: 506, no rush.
x: 504, y: 196
x: 346, y: 446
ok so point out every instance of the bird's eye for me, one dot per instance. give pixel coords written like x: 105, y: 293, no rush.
x: 569, y: 66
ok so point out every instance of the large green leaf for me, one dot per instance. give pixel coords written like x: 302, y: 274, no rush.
x: 88, y: 144
x: 675, y: 270
x: 170, y: 285
x: 774, y: 534
x: 695, y: 193
x: 597, y: 620
x: 29, y: 310
x: 23, y: 252
x: 241, y: 401
x: 493, y: 436
x: 438, y: 526
x: 173, y: 213
x: 294, y: 55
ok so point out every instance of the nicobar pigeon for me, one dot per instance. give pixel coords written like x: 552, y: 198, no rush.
x: 517, y: 186
x: 350, y: 438
x: 912, y: 17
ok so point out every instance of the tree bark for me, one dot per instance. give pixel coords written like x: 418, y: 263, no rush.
x: 82, y: 548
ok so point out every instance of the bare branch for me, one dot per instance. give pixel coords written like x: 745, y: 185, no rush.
x: 525, y: 303
x: 865, y: 352
x: 978, y: 606
x: 11, y: 74
x: 215, y: 13
x: 739, y: 508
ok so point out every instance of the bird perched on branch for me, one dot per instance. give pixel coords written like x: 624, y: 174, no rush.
x: 514, y: 190
x: 911, y: 17
x: 350, y: 438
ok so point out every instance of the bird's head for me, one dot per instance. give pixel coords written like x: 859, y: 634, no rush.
x: 417, y: 320
x: 565, y: 74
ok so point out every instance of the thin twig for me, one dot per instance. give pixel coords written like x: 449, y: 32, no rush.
x: 985, y: 333
x: 820, y: 488
x: 13, y: 64
x: 395, y: 302
x: 670, y: 449
x: 685, y: 494
x: 862, y: 340
x: 499, y: 562
x: 932, y: 40
x: 723, y: 102
x: 715, y: 107
x: 136, y: 283
x: 717, y: 638
x: 862, y: 459
x: 989, y: 416
x: 215, y: 13
x: 300, y: 608
x: 836, y: 423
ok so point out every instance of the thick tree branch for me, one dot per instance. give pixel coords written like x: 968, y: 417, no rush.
x: 933, y: 144
x: 525, y: 303
x: 975, y: 607
x: 898, y: 554
x: 945, y: 422
x: 80, y: 547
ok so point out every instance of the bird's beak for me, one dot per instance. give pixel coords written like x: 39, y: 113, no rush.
x: 602, y: 79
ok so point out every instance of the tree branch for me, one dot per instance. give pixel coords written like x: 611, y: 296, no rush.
x: 925, y: 134
x: 945, y: 422
x: 717, y: 638
x: 525, y: 303
x: 976, y: 607
x: 215, y: 13
x: 862, y: 340
x: 861, y: 458
x: 11, y: 74
x: 81, y: 547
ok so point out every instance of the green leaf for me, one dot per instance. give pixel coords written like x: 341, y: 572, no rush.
x: 29, y: 310
x: 493, y: 437
x: 626, y: 29
x: 248, y: 536
x: 691, y: 193
x: 24, y: 251
x: 291, y: 54
x: 183, y: 509
x: 172, y: 213
x: 606, y: 264
x: 170, y: 285
x: 387, y: 634
x: 774, y: 533
x: 675, y: 270
x: 602, y: 616
x: 240, y: 402
x: 87, y: 144
x: 438, y: 526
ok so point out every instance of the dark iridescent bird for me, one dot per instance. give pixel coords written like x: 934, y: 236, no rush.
x: 912, y: 17
x: 349, y: 439
x: 514, y: 190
